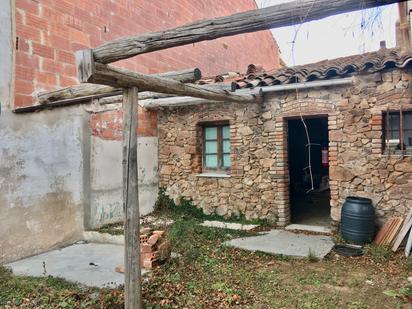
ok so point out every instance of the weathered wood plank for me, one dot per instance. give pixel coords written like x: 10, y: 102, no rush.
x: 405, y: 229
x: 133, y: 296
x: 121, y: 78
x: 282, y: 15
x: 77, y: 91
x: 82, y: 90
x: 84, y: 63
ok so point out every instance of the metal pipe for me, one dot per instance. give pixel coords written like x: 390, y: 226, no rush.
x: 305, y: 85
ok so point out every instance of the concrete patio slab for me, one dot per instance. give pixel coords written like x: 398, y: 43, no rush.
x: 309, y: 228
x: 286, y: 243
x: 89, y: 264
x: 229, y: 225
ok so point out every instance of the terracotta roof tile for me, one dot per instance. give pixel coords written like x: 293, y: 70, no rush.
x: 368, y: 62
x: 326, y: 69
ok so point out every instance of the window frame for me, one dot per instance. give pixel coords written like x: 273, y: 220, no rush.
x: 387, y: 132
x: 220, y: 153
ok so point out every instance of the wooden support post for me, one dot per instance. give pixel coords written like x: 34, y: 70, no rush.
x: 132, y: 288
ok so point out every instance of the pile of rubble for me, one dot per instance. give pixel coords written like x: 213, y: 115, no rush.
x: 154, y: 249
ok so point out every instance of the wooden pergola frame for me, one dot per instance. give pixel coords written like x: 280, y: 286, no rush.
x: 93, y: 67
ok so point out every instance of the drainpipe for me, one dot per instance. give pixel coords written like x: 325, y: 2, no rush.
x: 187, y: 101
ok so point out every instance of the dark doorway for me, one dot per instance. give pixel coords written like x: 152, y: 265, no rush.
x: 309, y: 206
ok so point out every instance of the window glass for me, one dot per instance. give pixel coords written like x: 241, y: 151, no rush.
x: 407, y: 121
x: 211, y: 147
x: 210, y: 133
x: 226, y: 146
x: 226, y: 160
x: 211, y: 161
x: 394, y: 122
x: 408, y: 138
x: 216, y: 144
x: 393, y: 129
x: 226, y: 132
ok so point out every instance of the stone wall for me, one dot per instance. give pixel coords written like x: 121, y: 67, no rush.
x: 258, y: 185
x: 248, y: 190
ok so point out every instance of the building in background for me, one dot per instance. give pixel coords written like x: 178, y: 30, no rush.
x: 255, y: 160
x: 60, y: 169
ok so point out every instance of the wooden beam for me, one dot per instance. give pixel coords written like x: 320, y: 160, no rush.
x: 78, y: 91
x: 121, y: 78
x: 184, y: 76
x: 132, y: 288
x: 282, y: 15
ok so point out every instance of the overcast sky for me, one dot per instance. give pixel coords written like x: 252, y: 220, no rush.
x: 336, y: 36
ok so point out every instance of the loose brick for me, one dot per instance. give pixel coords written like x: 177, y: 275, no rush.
x: 153, y: 239
x: 146, y: 248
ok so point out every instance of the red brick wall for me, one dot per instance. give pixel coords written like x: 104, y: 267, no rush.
x: 49, y: 31
x: 108, y: 125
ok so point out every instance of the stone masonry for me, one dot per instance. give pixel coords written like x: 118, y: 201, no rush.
x: 258, y: 185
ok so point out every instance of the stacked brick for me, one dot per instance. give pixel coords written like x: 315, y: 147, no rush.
x: 154, y: 248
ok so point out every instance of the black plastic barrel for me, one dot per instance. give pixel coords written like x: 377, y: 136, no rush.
x: 358, y: 220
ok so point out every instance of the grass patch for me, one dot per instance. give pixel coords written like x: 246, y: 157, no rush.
x: 312, y: 257
x: 379, y: 254
x: 403, y: 293
x: 407, y: 264
x: 211, y: 275
x: 186, y: 209
x: 50, y: 292
x: 112, y: 228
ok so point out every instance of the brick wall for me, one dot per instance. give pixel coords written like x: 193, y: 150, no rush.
x: 108, y: 125
x: 49, y: 31
x: 259, y: 181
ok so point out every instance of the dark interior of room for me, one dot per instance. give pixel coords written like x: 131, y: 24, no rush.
x: 308, y: 206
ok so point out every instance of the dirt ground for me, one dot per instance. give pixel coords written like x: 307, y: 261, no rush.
x: 209, y: 275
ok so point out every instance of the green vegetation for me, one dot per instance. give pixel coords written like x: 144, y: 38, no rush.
x: 186, y: 209
x: 312, y: 256
x: 48, y: 292
x: 208, y: 274
x: 112, y: 228
x: 379, y: 254
x: 403, y: 292
x: 408, y: 263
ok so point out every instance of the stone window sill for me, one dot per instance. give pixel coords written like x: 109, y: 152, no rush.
x: 213, y: 175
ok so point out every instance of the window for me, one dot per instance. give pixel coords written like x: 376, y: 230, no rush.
x: 216, y: 148
x: 398, y: 132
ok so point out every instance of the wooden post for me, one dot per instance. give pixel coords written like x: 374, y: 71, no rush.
x: 132, y: 289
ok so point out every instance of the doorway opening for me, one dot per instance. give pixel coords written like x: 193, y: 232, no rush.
x: 307, y: 206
